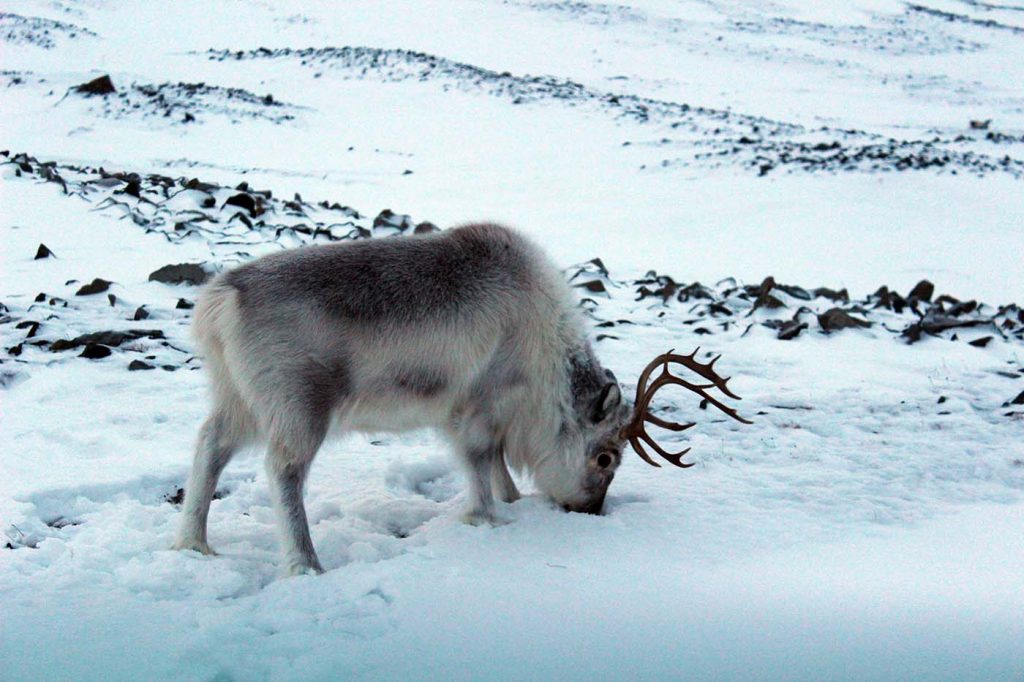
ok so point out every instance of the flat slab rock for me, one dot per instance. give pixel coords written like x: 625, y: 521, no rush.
x: 181, y: 273
x: 106, y: 338
x: 837, y: 318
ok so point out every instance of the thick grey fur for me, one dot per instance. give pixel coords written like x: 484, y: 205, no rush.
x: 472, y: 331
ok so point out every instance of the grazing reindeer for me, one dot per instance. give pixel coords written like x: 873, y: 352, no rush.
x: 472, y: 331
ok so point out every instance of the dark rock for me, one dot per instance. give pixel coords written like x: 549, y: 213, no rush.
x: 941, y: 399
x: 43, y: 252
x: 246, y: 201
x: 385, y: 217
x: 595, y: 286
x: 766, y: 300
x: 425, y: 227
x: 794, y: 291
x: 695, y: 290
x: 97, y: 86
x: 133, y: 188
x: 388, y: 218
x: 107, y: 338
x: 112, y: 299
x: 934, y: 322
x: 1019, y: 400
x: 95, y: 351
x: 141, y: 313
x: 982, y: 342
x: 718, y: 309
x: 182, y: 273
x: 766, y: 286
x: 666, y: 289
x: 138, y: 365
x: 199, y: 185
x: 922, y: 291
x: 97, y: 286
x: 40, y: 297
x: 964, y: 308
x: 31, y: 325
x: 883, y: 298
x: 184, y: 304
x: 837, y: 318
x: 831, y: 294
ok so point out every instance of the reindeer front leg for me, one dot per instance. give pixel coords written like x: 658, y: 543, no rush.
x: 479, y: 448
x: 501, y: 480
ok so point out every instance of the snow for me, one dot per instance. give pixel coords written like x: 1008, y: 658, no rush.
x: 868, y: 525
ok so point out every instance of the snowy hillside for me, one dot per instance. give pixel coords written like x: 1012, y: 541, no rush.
x: 830, y: 194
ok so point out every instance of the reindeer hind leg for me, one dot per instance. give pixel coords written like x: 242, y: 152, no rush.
x: 224, y: 432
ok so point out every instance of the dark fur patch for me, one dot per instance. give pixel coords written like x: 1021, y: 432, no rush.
x: 421, y: 381
x: 587, y: 380
x: 325, y: 388
x: 432, y: 276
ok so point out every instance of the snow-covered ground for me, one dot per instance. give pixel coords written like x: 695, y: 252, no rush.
x: 868, y: 525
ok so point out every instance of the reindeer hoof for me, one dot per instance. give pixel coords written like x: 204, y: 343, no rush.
x: 195, y: 546
x: 511, y: 496
x: 475, y: 518
x: 304, y: 569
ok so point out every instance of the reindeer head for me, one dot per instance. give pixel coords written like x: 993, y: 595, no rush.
x: 600, y: 424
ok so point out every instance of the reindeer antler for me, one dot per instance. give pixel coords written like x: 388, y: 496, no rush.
x: 635, y: 431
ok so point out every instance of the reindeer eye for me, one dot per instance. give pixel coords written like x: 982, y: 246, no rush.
x: 604, y: 460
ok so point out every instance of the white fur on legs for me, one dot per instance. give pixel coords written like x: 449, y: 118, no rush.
x: 218, y: 442
x: 287, y: 476
x: 502, y: 483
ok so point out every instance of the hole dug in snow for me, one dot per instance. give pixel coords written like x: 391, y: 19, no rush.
x: 434, y: 479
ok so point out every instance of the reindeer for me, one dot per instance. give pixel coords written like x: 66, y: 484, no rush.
x: 472, y: 331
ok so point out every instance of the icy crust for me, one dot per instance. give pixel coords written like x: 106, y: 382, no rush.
x: 690, y: 135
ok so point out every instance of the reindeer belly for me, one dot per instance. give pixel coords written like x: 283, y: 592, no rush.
x: 393, y: 415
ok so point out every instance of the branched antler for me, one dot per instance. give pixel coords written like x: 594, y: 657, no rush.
x: 636, y: 431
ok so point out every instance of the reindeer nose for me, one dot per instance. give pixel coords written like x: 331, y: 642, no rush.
x: 595, y: 506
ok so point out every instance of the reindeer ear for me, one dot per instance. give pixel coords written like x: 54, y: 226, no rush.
x: 607, y: 400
